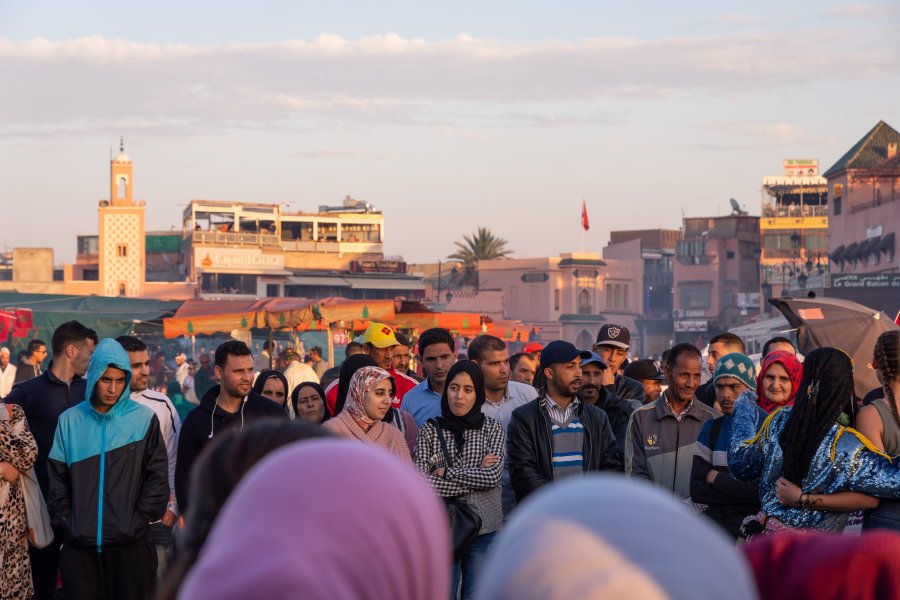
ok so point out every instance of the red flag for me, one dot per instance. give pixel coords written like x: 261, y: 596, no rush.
x: 897, y: 320
x: 584, y: 218
x: 23, y: 323
x: 5, y: 325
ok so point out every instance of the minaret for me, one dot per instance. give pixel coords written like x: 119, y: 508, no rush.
x: 122, y: 245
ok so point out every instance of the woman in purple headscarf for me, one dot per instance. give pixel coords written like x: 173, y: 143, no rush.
x: 278, y: 538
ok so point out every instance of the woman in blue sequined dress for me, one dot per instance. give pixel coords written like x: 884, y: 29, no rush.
x: 813, y: 445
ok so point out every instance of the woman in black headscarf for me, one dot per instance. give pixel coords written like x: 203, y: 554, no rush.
x: 399, y: 418
x: 308, y: 402
x: 273, y: 385
x: 461, y: 453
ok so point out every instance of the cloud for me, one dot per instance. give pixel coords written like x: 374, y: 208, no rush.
x: 865, y: 12
x: 74, y: 87
x: 780, y: 131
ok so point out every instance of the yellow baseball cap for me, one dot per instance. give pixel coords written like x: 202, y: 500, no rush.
x: 380, y: 336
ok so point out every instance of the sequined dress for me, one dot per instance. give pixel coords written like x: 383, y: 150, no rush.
x: 845, y: 461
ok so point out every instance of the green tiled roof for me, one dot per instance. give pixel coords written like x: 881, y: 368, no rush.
x: 868, y: 152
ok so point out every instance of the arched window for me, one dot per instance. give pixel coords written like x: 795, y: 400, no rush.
x: 584, y: 339
x: 122, y: 291
x: 584, y: 302
x: 123, y: 185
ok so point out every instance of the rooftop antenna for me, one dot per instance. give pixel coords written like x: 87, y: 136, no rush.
x: 736, y: 208
x: 122, y: 145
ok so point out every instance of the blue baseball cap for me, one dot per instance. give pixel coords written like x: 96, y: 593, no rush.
x: 560, y: 351
x: 594, y: 359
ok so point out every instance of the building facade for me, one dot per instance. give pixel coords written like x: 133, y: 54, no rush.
x: 864, y: 213
x: 716, y: 276
x: 794, y: 231
x: 568, y: 296
x: 656, y: 248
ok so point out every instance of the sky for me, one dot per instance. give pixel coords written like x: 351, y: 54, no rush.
x: 446, y: 116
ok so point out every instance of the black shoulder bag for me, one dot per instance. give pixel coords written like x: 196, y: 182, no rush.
x: 465, y: 523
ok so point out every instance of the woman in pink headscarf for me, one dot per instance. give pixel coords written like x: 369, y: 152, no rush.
x: 778, y: 381
x: 368, y: 400
x: 311, y: 521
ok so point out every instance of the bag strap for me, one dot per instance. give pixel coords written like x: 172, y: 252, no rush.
x: 715, y: 431
x: 440, y: 434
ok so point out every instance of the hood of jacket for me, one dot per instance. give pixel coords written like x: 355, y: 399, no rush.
x: 109, y: 353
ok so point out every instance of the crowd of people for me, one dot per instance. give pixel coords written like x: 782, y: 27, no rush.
x: 557, y: 472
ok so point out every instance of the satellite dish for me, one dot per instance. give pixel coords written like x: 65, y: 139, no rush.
x: 735, y: 206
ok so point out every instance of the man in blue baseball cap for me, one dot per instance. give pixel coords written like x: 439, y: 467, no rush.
x: 557, y: 435
x: 592, y: 391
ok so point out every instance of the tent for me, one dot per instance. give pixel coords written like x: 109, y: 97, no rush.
x: 109, y: 317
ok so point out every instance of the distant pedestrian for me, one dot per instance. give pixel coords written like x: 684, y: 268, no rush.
x: 169, y: 426
x: 7, y: 373
x: 108, y: 482
x: 436, y: 350
x: 308, y: 402
x: 523, y: 367
x: 44, y: 399
x: 662, y: 434
x: 461, y: 453
x: 32, y: 365
x: 612, y: 345
x: 318, y: 363
x: 647, y: 372
x: 371, y: 391
x: 18, y: 451
x: 719, y: 346
x: 557, y: 435
x: 226, y: 407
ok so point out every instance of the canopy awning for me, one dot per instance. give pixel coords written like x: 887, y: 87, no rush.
x: 838, y: 255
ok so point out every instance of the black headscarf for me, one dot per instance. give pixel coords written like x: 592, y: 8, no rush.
x: 474, y: 419
x: 267, y: 374
x: 826, y: 391
x: 318, y: 388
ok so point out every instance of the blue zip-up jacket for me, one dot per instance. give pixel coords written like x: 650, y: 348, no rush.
x: 108, y: 472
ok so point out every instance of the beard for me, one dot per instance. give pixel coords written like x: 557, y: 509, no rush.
x: 589, y: 393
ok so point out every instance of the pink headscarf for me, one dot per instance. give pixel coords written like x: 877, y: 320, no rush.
x: 794, y: 370
x: 361, y: 383
x: 825, y: 565
x: 277, y: 536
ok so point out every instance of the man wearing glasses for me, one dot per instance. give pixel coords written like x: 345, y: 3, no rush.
x: 31, y: 366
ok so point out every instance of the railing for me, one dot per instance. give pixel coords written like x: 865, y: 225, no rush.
x: 222, y: 238
x: 795, y: 211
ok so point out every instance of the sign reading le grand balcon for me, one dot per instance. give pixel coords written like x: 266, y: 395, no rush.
x: 245, y: 260
x: 874, y: 281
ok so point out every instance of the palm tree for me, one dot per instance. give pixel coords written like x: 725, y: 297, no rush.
x: 482, y: 245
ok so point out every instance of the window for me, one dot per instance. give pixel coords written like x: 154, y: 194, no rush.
x: 272, y: 290
x: 227, y: 283
x: 122, y: 250
x: 556, y: 299
x: 729, y: 254
x: 122, y: 290
x: 514, y: 297
x: 696, y: 297
x: 123, y: 186
x: 584, y: 302
x: 617, y: 295
x: 837, y: 206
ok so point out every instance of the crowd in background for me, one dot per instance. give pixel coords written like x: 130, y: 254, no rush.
x: 568, y: 472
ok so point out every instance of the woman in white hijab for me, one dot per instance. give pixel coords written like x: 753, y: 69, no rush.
x: 604, y: 536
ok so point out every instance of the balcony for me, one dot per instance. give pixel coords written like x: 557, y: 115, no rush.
x: 241, y: 239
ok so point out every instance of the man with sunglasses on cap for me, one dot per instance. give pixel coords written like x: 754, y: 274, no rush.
x: 613, y: 342
x: 648, y: 374
x: 557, y: 435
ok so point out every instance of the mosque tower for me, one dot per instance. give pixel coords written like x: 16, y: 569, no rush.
x: 122, y: 233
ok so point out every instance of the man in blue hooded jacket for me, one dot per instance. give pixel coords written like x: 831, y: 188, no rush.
x: 108, y: 482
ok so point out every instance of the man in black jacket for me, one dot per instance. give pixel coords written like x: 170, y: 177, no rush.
x: 223, y: 408
x: 594, y: 392
x: 557, y: 435
x: 613, y: 342
x: 44, y: 398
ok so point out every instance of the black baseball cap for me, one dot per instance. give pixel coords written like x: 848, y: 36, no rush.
x: 644, y: 369
x: 560, y: 351
x: 614, y: 335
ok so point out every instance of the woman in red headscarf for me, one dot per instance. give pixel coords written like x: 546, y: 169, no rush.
x: 778, y: 381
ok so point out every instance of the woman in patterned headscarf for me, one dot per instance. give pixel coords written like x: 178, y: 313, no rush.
x: 371, y: 390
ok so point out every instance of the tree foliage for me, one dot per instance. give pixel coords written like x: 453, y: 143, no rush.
x: 482, y: 245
